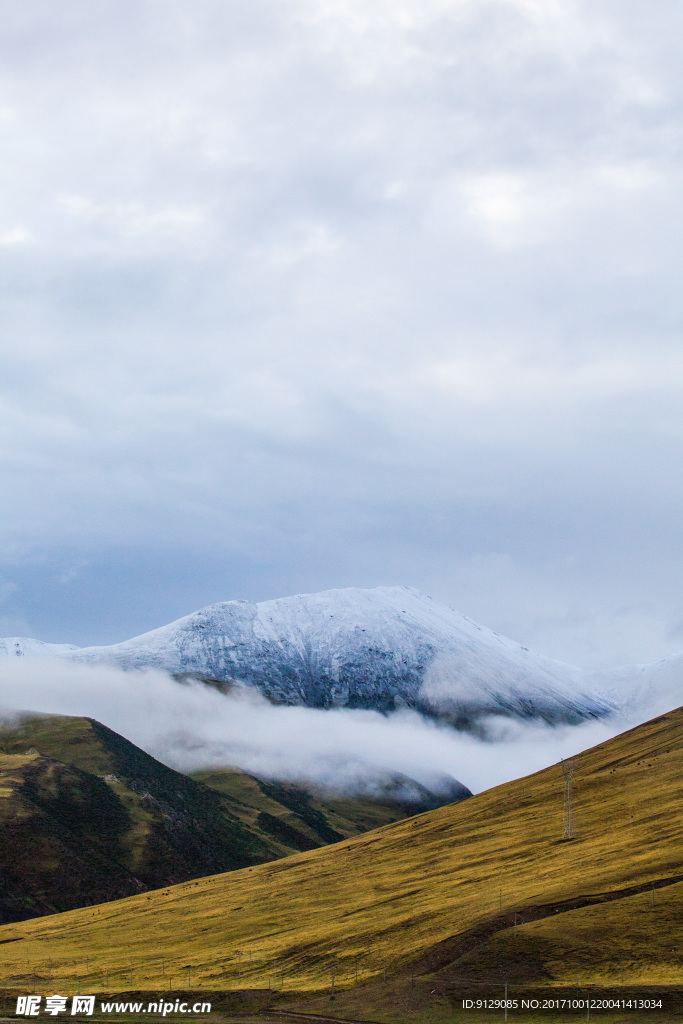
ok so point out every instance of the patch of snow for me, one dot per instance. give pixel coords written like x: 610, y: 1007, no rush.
x: 25, y: 647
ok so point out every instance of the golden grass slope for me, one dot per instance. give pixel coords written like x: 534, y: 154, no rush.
x: 635, y: 940
x: 426, y: 892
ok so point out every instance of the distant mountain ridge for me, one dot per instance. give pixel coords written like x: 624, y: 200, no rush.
x: 25, y: 647
x: 383, y: 649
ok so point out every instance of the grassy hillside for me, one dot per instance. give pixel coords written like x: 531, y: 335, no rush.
x: 86, y: 816
x: 486, y: 887
x: 301, y: 819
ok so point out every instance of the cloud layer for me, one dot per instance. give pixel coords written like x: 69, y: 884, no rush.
x: 191, y: 726
x: 311, y: 294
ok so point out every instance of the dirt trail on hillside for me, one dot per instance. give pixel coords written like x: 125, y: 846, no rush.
x: 446, y: 953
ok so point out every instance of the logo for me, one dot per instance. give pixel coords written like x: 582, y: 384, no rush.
x: 29, y: 1006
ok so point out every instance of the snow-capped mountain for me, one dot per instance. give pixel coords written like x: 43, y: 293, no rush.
x: 385, y: 648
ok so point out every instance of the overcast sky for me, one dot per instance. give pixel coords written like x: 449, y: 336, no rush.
x: 300, y: 294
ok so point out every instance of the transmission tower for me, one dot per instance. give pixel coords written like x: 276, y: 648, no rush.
x: 568, y: 768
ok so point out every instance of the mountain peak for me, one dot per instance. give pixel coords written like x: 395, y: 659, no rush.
x: 383, y: 648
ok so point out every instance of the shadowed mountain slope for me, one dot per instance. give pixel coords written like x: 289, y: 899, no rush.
x: 424, y: 893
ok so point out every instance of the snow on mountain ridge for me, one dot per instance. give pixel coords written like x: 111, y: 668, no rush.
x: 26, y: 647
x: 382, y: 649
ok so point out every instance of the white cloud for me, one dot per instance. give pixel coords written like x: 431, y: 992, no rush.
x: 133, y: 219
x: 15, y: 236
x: 503, y: 202
x: 191, y: 726
x: 300, y: 241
